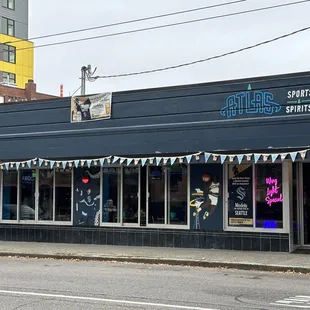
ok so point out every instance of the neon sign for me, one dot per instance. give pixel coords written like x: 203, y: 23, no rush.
x: 273, y: 195
x: 256, y: 102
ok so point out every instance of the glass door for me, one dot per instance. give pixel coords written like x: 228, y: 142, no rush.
x: 177, y: 195
x: 156, y: 195
x: 46, y: 195
x: 28, y: 194
x: 131, y: 201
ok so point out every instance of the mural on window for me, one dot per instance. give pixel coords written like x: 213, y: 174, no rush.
x: 269, y: 196
x: 87, y: 197
x: 240, y: 195
x: 206, y: 203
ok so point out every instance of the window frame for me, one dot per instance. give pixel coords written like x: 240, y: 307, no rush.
x: 9, y: 23
x: 7, y: 4
x: 286, y: 199
x: 166, y: 225
x: 36, y: 220
x: 119, y: 194
x: 4, y: 80
x: 10, y: 50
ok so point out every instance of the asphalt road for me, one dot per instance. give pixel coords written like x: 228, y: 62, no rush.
x: 30, y: 284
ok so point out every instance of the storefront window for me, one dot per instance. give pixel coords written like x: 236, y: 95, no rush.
x: 46, y: 185
x: 110, y: 195
x: 177, y: 195
x: 9, y: 195
x: 87, y: 197
x: 27, y: 194
x: 156, y: 203
x: 131, y: 195
x: 240, y: 196
x: 63, y: 180
x: 269, y: 196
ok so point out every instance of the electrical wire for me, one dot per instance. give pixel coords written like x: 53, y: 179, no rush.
x: 163, y: 26
x: 131, y: 21
x: 205, y: 59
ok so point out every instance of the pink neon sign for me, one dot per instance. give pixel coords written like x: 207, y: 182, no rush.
x: 273, y: 195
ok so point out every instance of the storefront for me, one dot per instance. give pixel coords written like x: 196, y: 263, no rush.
x: 220, y: 165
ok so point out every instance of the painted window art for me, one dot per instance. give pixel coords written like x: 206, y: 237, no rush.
x: 206, y: 204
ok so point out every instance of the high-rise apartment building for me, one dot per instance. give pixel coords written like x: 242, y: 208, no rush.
x: 16, y: 52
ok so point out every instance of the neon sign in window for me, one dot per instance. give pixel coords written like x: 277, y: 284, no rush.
x: 273, y: 195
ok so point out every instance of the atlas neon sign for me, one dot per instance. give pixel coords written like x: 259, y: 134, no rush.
x: 273, y: 195
x: 257, y: 102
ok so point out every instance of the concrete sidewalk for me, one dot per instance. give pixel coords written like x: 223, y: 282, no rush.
x: 268, y: 261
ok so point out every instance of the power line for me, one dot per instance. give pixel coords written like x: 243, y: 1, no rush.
x: 205, y: 59
x: 165, y: 25
x: 131, y: 21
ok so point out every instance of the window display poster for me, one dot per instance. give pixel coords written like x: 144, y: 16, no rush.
x: 240, y: 195
x: 206, y: 202
x: 86, y: 208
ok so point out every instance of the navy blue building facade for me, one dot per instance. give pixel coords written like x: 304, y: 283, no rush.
x: 217, y: 165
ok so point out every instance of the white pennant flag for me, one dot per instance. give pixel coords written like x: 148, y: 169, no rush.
x: 274, y: 157
x: 129, y: 161
x: 172, y: 160
x: 293, y: 156
x: 223, y: 158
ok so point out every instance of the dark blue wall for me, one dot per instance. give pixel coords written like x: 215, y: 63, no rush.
x: 177, y: 119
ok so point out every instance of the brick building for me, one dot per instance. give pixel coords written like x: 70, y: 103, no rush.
x: 14, y: 94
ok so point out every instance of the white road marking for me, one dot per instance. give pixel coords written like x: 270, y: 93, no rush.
x: 128, y: 302
x: 301, y: 302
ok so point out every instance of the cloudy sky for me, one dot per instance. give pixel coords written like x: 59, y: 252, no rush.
x: 164, y: 47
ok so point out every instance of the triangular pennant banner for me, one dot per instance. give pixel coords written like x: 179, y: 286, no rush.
x: 274, y: 157
x: 52, y: 163
x: 158, y: 160
x: 256, y: 158
x: 40, y: 162
x: 223, y: 158
x: 64, y: 164
x: 303, y: 154
x: 207, y: 156
x: 17, y: 166
x: 189, y: 158
x: 101, y: 160
x: 29, y: 163
x: 7, y: 166
x: 172, y: 160
x: 239, y: 157
x: 121, y: 161
x: 293, y: 156
x: 129, y: 161
x: 88, y: 163
x: 136, y: 161
x: 115, y: 159
x: 283, y: 156
x: 143, y: 161
x: 76, y: 163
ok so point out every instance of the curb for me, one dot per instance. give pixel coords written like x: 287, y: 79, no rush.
x: 164, y: 261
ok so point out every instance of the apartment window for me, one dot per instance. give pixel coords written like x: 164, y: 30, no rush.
x: 8, y: 26
x: 9, y: 78
x: 10, y: 4
x: 9, y: 53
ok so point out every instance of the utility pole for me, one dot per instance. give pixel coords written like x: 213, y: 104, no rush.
x: 84, y: 70
x: 86, y: 74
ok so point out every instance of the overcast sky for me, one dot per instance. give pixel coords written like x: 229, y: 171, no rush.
x: 165, y: 47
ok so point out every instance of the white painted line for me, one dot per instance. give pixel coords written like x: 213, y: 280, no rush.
x: 128, y: 302
x: 306, y: 297
x: 290, y: 306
